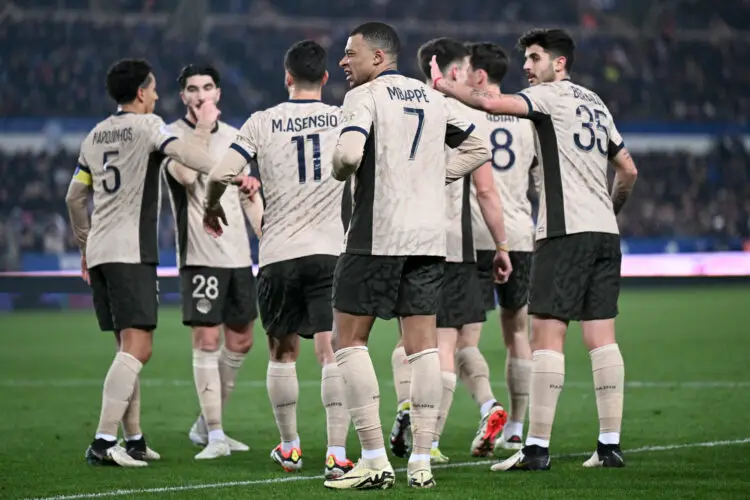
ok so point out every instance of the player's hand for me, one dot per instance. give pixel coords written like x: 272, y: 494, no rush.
x: 435, y: 72
x: 502, y: 267
x: 85, y: 270
x: 248, y: 185
x: 207, y: 112
x: 213, y: 218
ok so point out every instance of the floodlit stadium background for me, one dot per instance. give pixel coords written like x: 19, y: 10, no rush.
x: 674, y: 73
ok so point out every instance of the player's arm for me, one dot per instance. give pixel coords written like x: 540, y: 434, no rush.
x: 491, y: 205
x: 179, y: 172
x: 76, y: 200
x: 191, y: 154
x: 461, y: 135
x: 357, y: 113
x: 241, y: 153
x: 253, y: 205
x: 626, y: 174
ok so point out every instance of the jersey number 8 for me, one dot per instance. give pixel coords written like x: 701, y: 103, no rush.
x: 205, y: 287
x: 501, y: 140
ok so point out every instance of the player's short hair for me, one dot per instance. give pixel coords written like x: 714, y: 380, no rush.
x: 489, y: 57
x: 198, y: 69
x: 380, y: 36
x: 555, y: 41
x: 447, y: 50
x: 125, y: 77
x: 306, y: 61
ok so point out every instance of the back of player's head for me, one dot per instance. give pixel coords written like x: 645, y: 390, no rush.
x: 306, y: 62
x: 125, y: 77
x: 555, y: 41
x: 447, y: 50
x: 196, y: 70
x: 489, y: 57
x: 379, y: 36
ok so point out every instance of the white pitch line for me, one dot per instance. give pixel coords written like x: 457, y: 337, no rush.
x: 261, y: 384
x: 258, y: 482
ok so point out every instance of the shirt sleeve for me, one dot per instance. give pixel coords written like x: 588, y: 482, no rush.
x: 82, y: 172
x: 539, y: 98
x: 159, y: 135
x: 616, y: 142
x: 358, y: 111
x: 246, y: 141
x: 458, y: 124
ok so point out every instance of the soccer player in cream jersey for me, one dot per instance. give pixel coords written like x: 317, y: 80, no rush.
x: 218, y: 286
x: 576, y: 262
x: 293, y: 143
x: 513, y: 163
x: 119, y: 164
x: 392, y: 144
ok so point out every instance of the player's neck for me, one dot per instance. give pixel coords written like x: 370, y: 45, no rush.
x: 387, y: 67
x: 305, y: 95
x: 131, y: 108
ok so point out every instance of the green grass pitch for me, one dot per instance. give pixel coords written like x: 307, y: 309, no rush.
x: 687, y: 366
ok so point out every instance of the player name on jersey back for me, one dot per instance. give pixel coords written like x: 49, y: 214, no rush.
x: 576, y: 138
x: 122, y: 155
x: 512, y: 149
x: 294, y: 144
x: 195, y: 247
x: 399, y: 187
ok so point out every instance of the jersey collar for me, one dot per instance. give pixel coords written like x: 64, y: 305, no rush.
x: 389, y: 72
x: 303, y: 101
x: 189, y: 124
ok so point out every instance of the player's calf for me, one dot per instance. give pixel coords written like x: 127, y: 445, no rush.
x: 401, y: 438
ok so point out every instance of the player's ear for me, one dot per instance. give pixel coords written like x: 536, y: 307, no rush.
x: 325, y: 79
x: 183, y: 98
x: 378, y: 57
x: 218, y: 96
x: 288, y: 80
x: 560, y: 63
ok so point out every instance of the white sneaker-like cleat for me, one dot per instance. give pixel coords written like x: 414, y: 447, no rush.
x: 214, y: 449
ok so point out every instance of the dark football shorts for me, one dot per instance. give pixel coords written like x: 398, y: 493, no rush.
x: 213, y: 296
x: 125, y: 296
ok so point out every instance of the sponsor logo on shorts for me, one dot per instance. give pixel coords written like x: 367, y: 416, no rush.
x: 203, y: 306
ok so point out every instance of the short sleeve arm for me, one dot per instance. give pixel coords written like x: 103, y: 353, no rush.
x: 458, y: 125
x: 247, y: 139
x: 358, y: 111
x: 159, y: 135
x: 538, y: 98
x: 616, y: 143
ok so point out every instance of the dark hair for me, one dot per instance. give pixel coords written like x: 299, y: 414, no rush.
x: 306, y: 61
x: 556, y: 42
x: 198, y: 69
x: 125, y: 77
x: 380, y: 36
x: 447, y: 50
x: 489, y: 57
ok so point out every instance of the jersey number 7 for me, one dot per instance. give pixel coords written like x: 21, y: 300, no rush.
x: 419, y: 113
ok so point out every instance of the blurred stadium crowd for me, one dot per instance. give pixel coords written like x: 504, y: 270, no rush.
x: 651, y: 61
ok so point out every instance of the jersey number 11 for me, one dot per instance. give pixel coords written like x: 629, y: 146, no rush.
x: 301, y: 163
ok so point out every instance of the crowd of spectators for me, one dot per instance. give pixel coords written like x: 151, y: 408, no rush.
x: 50, y: 66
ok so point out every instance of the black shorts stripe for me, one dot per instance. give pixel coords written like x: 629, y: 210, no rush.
x: 359, y: 238
x: 149, y: 214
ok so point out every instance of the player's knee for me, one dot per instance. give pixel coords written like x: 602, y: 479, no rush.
x: 598, y: 333
x: 324, y: 348
x: 284, y: 349
x: 419, y: 334
x: 514, y: 324
x: 548, y: 334
x: 137, y: 343
x: 239, y: 339
x: 206, y: 338
x: 469, y: 336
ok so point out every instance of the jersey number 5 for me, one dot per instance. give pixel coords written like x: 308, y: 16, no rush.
x: 301, y: 163
x: 114, y: 185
